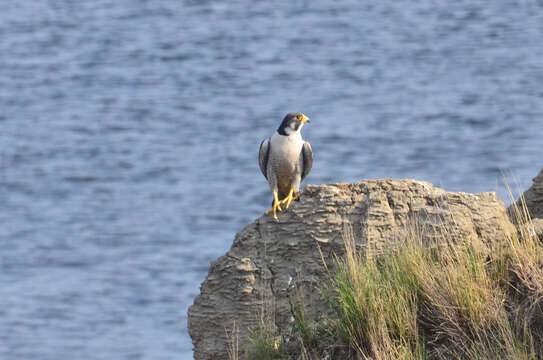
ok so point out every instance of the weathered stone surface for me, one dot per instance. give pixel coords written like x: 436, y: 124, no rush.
x: 270, y: 259
x: 534, y: 202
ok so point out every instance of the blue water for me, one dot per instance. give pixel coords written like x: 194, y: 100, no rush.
x: 129, y: 133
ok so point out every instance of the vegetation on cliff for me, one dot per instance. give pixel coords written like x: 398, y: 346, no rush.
x: 418, y: 300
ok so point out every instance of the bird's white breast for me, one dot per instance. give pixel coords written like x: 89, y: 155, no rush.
x: 287, y: 147
x: 284, y: 156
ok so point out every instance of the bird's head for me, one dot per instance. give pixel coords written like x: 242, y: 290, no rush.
x: 292, y: 123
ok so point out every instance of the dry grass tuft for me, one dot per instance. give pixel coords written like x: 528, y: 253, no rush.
x: 441, y: 301
x: 265, y: 342
x: 232, y: 342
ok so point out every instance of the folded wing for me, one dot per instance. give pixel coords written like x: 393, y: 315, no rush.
x: 263, y: 155
x: 307, y: 156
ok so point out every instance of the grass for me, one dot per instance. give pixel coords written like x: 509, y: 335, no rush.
x: 442, y: 301
x: 446, y: 300
x: 232, y: 343
x: 375, y: 303
x: 265, y: 341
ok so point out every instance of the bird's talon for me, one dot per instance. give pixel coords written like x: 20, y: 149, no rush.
x: 272, y: 209
x: 289, y: 198
x: 276, y: 206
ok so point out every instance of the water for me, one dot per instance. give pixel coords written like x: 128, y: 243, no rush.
x: 130, y: 132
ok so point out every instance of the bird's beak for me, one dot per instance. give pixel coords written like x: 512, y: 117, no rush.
x: 304, y: 119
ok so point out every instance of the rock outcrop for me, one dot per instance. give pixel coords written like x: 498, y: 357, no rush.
x: 534, y: 203
x: 271, y: 260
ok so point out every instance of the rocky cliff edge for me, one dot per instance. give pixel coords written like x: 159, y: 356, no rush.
x: 533, y: 199
x: 270, y: 259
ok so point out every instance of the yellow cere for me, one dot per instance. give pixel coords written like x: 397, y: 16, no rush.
x: 302, y: 118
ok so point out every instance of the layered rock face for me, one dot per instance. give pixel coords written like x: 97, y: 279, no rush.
x: 534, y: 203
x: 273, y: 263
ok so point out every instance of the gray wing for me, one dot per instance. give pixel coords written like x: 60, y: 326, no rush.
x: 263, y: 155
x: 307, y: 155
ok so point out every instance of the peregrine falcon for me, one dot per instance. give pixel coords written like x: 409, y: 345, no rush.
x: 285, y: 159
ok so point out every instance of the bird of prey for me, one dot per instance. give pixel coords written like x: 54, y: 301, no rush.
x: 285, y: 159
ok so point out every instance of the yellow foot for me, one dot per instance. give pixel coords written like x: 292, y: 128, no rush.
x: 276, y: 206
x: 289, y: 198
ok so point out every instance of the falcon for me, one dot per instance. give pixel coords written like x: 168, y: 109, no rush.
x: 285, y: 159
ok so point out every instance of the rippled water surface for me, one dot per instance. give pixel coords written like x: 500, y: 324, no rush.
x: 129, y: 133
